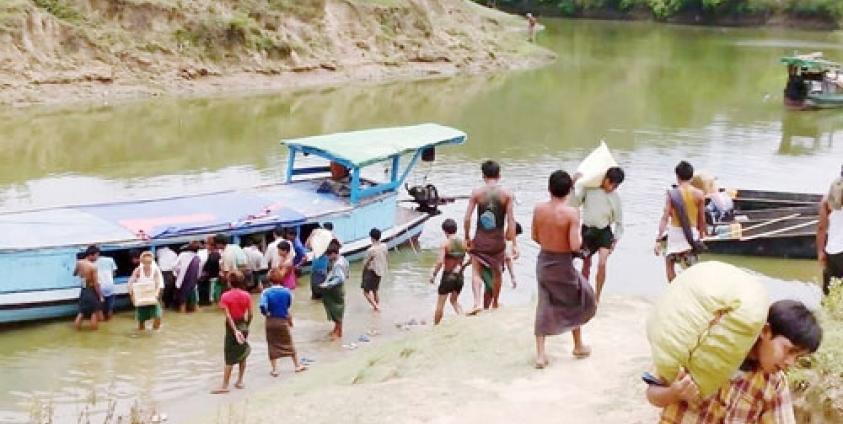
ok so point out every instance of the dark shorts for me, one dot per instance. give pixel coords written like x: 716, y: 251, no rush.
x: 89, y: 302
x: 451, y: 282
x: 108, y: 305
x: 833, y: 269
x: 594, y: 239
x: 371, y: 281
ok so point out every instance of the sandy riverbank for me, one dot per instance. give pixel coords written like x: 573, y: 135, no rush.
x: 88, y: 50
x: 469, y: 370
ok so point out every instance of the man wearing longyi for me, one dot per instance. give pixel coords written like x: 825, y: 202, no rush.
x: 495, y: 224
x: 566, y: 300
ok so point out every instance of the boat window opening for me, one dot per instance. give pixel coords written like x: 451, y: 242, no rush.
x: 124, y: 260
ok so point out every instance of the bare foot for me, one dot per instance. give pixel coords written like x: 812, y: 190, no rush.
x: 474, y: 312
x: 541, y: 364
x: 274, y: 373
x: 301, y: 368
x: 582, y: 352
x: 240, y: 386
x: 219, y: 391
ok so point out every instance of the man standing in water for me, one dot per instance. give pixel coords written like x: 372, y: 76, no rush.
x: 566, y: 300
x: 684, y: 209
x: 601, y: 210
x: 531, y: 28
x: 830, y: 233
x: 494, y: 205
x: 90, y: 298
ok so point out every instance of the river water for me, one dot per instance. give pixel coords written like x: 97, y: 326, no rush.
x: 655, y: 93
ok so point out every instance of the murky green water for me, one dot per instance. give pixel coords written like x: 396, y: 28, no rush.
x: 655, y: 93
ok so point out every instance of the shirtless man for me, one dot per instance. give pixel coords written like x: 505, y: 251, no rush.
x: 494, y: 205
x: 566, y: 300
x: 90, y: 298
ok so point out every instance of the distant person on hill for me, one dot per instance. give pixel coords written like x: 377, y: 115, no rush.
x: 566, y: 300
x: 493, y: 205
x: 830, y: 234
x: 758, y: 391
x: 374, y: 268
x: 532, y: 22
x: 452, y: 252
x: 237, y: 305
x: 333, y: 289
x: 145, y: 285
x: 601, y: 214
x: 90, y: 297
x: 684, y: 210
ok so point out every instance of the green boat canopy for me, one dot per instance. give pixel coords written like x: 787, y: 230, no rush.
x: 814, y: 62
x: 361, y: 148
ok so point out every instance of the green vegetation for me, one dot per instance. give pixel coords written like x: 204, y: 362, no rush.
x: 818, y: 380
x: 823, y: 10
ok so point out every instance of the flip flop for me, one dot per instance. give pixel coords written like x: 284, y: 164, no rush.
x: 219, y: 391
x: 582, y: 354
x: 541, y: 365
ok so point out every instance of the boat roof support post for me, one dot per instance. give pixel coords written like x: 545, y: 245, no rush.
x: 355, y: 185
x: 409, y: 168
x: 291, y: 162
x: 396, y: 163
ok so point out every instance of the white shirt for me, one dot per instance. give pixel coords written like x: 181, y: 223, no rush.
x: 105, y: 274
x: 271, y: 256
x: 834, y: 245
x: 166, y: 258
x: 182, y: 263
x: 256, y: 258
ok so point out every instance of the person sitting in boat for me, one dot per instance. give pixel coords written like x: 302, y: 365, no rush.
x: 719, y: 206
x: 796, y: 90
x: 338, y: 183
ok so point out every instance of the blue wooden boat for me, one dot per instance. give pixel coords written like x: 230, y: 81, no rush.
x: 38, y: 247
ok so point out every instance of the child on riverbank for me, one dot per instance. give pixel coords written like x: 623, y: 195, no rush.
x: 451, y: 258
x: 374, y: 268
x: 511, y: 256
x: 758, y: 392
x: 237, y: 305
x: 275, y: 306
x: 333, y: 289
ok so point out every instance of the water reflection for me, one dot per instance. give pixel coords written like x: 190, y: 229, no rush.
x: 809, y: 132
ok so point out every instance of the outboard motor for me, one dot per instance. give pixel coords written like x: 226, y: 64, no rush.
x: 427, y: 198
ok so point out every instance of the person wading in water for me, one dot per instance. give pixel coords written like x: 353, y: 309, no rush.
x: 494, y: 207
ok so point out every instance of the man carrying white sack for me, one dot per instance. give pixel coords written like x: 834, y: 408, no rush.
x: 601, y: 211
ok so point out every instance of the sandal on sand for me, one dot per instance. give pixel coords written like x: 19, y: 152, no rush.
x: 240, y: 386
x: 219, y: 391
x: 541, y: 365
x: 274, y: 373
x: 301, y: 368
x: 474, y: 312
x: 581, y: 354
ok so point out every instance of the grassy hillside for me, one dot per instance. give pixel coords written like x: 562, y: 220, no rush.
x: 148, y: 41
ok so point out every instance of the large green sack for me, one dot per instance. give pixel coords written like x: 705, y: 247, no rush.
x: 684, y: 329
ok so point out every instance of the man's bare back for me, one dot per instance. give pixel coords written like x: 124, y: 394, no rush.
x: 556, y: 226
x: 480, y: 196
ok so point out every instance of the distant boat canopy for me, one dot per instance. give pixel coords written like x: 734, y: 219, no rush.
x: 814, y: 62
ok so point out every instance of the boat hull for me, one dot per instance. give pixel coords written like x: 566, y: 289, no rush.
x: 803, y: 246
x: 36, y: 305
x: 747, y: 200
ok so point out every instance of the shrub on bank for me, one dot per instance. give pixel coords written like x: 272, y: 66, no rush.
x: 817, y: 381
